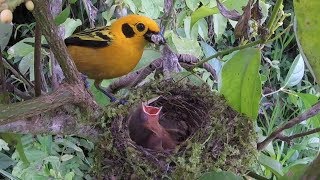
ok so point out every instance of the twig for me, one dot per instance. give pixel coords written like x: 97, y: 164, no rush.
x: 274, y: 14
x: 168, y: 10
x: 314, y: 110
x: 288, y: 139
x: 2, y: 75
x: 17, y: 92
x: 37, y: 61
x: 17, y: 73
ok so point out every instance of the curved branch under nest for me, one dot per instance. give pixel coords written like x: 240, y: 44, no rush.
x: 211, y: 135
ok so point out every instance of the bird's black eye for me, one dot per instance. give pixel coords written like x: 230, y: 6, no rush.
x: 140, y: 27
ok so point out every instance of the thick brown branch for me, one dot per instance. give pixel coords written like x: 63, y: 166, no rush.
x: 52, y: 123
x: 65, y: 94
x: 45, y: 20
x: 304, y: 116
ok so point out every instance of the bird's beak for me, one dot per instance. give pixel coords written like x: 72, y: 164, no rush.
x: 151, y: 110
x: 156, y: 38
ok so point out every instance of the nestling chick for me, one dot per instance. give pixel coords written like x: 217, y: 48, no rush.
x: 145, y: 129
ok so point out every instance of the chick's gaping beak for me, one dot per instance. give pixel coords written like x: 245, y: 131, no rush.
x: 154, y: 37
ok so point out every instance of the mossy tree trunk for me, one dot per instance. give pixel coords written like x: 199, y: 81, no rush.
x: 68, y: 110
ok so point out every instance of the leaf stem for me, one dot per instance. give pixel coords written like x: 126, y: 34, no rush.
x: 274, y: 14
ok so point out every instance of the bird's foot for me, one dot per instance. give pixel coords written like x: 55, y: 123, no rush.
x: 85, y: 80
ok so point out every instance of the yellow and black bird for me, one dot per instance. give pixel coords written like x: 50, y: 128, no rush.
x: 112, y: 51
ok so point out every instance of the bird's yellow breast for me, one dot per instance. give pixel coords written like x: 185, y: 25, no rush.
x: 108, y: 62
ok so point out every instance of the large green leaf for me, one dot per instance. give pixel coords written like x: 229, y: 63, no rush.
x: 273, y: 165
x: 5, y: 161
x: 308, y: 30
x: 5, y: 34
x: 295, y: 73
x: 241, y: 83
x: 62, y: 16
x: 295, y: 172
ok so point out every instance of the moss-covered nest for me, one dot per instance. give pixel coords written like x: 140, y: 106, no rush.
x: 212, y: 135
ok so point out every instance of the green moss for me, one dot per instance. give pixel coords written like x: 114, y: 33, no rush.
x: 222, y: 138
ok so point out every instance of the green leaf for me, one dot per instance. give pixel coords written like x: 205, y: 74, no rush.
x: 99, y: 97
x: 69, y: 176
x: 220, y: 24
x: 5, y: 161
x: 192, y: 4
x: 62, y: 16
x: 71, y: 145
x: 307, y: 30
x: 3, y: 145
x: 202, y: 12
x: 295, y: 73
x: 225, y: 175
x: 186, y: 46
x: 21, y: 49
x: 72, y: 1
x: 187, y: 26
x: 27, y: 63
x: 214, y: 62
x: 70, y: 25
x: 241, y: 84
x: 131, y: 5
x: 66, y: 157
x: 150, y: 8
x: 8, y: 175
x: 46, y: 143
x: 203, y: 28
x: 308, y: 101
x: 147, y: 57
x: 295, y: 172
x: 273, y: 165
x: 5, y: 34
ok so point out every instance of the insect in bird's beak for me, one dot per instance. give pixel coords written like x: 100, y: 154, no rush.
x: 156, y: 38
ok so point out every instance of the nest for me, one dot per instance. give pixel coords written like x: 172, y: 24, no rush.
x: 211, y: 135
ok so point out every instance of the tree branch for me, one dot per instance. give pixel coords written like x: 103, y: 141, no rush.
x: 52, y: 123
x: 43, y: 16
x: 288, y: 139
x: 134, y: 78
x: 64, y: 95
x: 314, y: 110
x: 37, y: 61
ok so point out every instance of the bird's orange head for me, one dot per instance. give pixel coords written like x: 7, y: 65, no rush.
x: 138, y: 27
